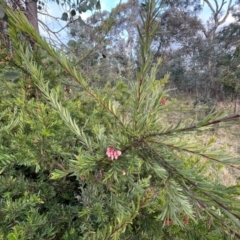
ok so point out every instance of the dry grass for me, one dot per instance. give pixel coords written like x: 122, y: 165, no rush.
x: 230, y: 137
x: 227, y: 135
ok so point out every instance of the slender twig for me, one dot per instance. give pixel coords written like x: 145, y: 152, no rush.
x: 132, y: 216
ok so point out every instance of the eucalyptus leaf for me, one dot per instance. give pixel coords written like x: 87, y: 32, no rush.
x: 98, y: 5
x: 73, y: 12
x: 73, y: 32
x: 83, y: 7
x: 93, y: 2
x: 71, y: 43
x: 64, y: 16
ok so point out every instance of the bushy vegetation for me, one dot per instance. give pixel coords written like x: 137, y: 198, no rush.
x: 79, y: 161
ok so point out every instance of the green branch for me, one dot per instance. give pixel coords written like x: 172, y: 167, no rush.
x: 20, y: 21
x: 194, y: 152
x: 176, y: 174
x: 193, y: 127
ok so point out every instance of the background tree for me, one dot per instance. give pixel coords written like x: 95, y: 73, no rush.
x: 229, y: 75
x: 195, y: 45
x: 109, y: 39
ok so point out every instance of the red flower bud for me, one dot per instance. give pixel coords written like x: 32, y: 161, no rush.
x: 164, y: 101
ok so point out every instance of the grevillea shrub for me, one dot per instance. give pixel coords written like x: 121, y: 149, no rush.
x: 104, y: 163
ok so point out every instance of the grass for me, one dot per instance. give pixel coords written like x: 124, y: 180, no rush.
x: 227, y: 134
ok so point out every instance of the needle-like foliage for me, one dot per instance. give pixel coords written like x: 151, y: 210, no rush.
x: 93, y: 167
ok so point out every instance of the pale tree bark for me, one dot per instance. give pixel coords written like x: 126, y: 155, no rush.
x: 216, y: 11
x: 216, y: 8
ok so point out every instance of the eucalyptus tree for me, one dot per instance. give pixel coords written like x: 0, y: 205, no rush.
x: 196, y: 42
x: 109, y: 40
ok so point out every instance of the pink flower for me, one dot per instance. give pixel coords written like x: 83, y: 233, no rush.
x: 164, y: 101
x: 123, y: 172
x: 113, y: 153
x: 82, y: 178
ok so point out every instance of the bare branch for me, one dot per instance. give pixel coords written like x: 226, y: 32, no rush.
x: 223, y: 3
x: 48, y: 15
x: 227, y: 13
x: 210, y: 6
x: 48, y: 30
x: 217, y: 7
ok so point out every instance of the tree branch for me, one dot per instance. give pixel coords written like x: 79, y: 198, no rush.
x: 193, y: 127
x: 196, y: 153
x: 217, y: 7
x: 227, y: 13
x: 48, y: 30
x: 210, y: 6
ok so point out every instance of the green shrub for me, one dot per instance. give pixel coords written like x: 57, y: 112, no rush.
x: 104, y: 163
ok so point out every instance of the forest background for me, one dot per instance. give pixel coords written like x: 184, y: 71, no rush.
x: 116, y: 129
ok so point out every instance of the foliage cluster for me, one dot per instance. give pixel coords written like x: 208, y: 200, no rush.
x: 56, y: 180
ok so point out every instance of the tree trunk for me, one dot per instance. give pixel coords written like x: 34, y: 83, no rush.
x: 31, y: 13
